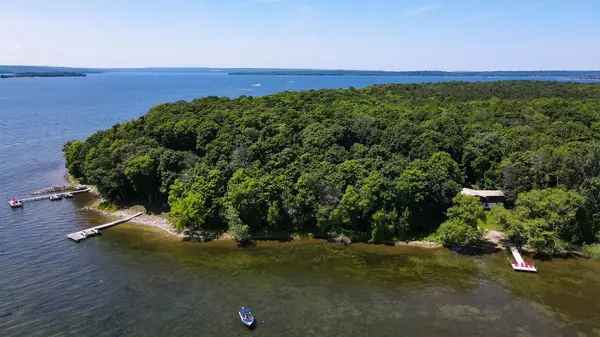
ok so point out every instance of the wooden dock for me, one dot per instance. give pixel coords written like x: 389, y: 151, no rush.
x: 84, y: 234
x: 43, y: 197
x: 520, y: 264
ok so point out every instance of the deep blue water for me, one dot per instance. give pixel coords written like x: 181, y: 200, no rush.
x: 51, y: 286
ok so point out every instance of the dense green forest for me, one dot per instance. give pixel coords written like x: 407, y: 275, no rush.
x: 374, y: 164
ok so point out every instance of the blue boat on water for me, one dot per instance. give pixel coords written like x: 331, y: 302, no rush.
x: 246, y: 316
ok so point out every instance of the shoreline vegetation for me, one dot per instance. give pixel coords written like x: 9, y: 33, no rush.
x: 383, y: 164
x: 162, y: 222
x: 493, y: 240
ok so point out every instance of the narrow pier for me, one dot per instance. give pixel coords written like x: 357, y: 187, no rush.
x: 520, y: 264
x: 84, y: 234
x: 49, y: 195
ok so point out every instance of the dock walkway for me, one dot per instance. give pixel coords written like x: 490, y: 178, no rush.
x: 42, y: 197
x: 84, y: 234
x: 520, y: 264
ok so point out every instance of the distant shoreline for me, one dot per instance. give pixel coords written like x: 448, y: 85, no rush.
x: 575, y: 75
x: 51, y: 71
x: 43, y: 74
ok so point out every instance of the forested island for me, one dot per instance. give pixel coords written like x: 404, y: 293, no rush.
x: 43, y: 74
x: 583, y: 75
x: 383, y: 163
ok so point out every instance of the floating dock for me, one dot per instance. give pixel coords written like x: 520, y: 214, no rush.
x: 520, y: 264
x: 86, y: 233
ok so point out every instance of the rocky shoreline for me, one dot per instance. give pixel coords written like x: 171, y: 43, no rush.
x: 60, y: 188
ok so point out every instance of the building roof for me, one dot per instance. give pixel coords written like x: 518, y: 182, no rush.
x: 482, y: 193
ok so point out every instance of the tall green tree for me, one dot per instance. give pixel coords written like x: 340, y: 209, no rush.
x: 189, y: 212
x: 551, y: 217
x: 142, y: 173
x: 461, y: 228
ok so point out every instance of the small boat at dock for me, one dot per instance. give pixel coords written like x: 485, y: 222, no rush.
x: 55, y: 197
x: 246, y: 316
x: 14, y: 203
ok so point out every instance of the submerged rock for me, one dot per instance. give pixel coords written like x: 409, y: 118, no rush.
x: 341, y: 239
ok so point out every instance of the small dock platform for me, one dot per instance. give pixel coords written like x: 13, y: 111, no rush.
x: 519, y: 264
x: 86, y: 233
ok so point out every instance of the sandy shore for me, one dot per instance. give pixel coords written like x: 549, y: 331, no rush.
x: 158, y: 221
x: 494, y: 236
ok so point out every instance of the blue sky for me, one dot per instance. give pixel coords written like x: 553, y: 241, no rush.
x: 341, y: 34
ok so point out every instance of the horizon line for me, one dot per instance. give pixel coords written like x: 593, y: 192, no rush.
x: 287, y: 69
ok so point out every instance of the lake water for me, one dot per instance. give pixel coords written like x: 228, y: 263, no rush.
x: 137, y: 281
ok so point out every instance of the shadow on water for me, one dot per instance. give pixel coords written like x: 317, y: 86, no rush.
x: 254, y: 325
x: 247, y: 244
x: 278, y: 238
x: 543, y: 257
x: 480, y: 248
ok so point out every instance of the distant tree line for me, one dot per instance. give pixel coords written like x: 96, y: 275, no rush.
x: 43, y: 74
x: 8, y: 69
x: 375, y: 164
x: 324, y: 72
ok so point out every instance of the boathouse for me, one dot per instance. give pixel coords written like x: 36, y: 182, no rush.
x: 489, y: 198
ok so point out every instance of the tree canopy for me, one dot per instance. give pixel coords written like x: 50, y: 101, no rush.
x: 547, y: 219
x: 464, y: 216
x: 379, y: 163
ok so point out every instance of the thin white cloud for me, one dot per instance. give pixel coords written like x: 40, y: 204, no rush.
x: 482, y: 17
x: 423, y: 9
x: 306, y: 9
